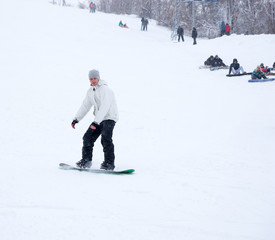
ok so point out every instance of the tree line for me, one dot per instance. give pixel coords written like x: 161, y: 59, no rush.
x: 244, y: 16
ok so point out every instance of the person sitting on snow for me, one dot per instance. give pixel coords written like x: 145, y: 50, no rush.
x: 218, y: 62
x: 264, y: 69
x: 120, y: 24
x: 257, y: 73
x: 235, y: 67
x: 209, y: 61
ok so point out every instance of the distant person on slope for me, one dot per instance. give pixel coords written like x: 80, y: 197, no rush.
x: 235, y: 67
x: 222, y: 28
x: 145, y: 24
x: 227, y: 29
x: 91, y: 6
x: 180, y: 33
x: 142, y: 23
x: 102, y: 99
x: 257, y: 73
x: 194, y: 35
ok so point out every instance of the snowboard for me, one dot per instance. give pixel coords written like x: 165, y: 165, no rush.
x: 66, y: 166
x: 240, y: 74
x: 261, y: 80
x: 204, y: 67
x: 218, y: 68
x: 270, y: 74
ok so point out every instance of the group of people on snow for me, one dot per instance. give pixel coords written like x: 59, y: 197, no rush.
x: 144, y: 24
x: 180, y: 33
x: 236, y: 68
x: 261, y: 71
x: 92, y: 7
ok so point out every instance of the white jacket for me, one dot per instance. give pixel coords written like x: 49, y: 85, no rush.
x: 103, y: 100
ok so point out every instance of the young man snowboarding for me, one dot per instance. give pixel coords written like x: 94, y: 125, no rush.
x: 102, y: 98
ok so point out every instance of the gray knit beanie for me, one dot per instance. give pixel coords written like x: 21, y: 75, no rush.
x: 94, y: 74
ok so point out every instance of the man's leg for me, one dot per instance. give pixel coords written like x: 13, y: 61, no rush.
x: 107, y: 143
x: 89, y: 139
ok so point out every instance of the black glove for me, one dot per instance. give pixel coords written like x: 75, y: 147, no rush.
x: 75, y: 121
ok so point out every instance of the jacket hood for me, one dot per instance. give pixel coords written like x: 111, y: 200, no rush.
x: 101, y: 82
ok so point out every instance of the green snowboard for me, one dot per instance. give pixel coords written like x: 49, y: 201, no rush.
x: 69, y: 167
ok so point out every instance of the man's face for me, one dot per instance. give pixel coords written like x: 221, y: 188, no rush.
x: 93, y: 81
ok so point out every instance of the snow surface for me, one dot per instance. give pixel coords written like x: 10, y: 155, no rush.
x: 202, y: 144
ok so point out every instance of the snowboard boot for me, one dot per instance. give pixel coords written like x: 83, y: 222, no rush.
x: 107, y: 166
x: 84, y: 163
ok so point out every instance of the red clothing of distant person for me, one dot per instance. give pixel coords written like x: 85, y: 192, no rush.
x: 227, y: 28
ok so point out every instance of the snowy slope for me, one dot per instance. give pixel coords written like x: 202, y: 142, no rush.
x: 202, y: 144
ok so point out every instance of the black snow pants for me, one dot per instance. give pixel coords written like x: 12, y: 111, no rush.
x: 180, y: 37
x: 105, y: 129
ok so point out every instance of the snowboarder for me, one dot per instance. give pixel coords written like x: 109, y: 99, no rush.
x: 218, y: 62
x: 194, y: 35
x: 257, y: 73
x: 209, y: 61
x: 180, y: 33
x: 235, y: 67
x: 264, y: 69
x: 102, y: 98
